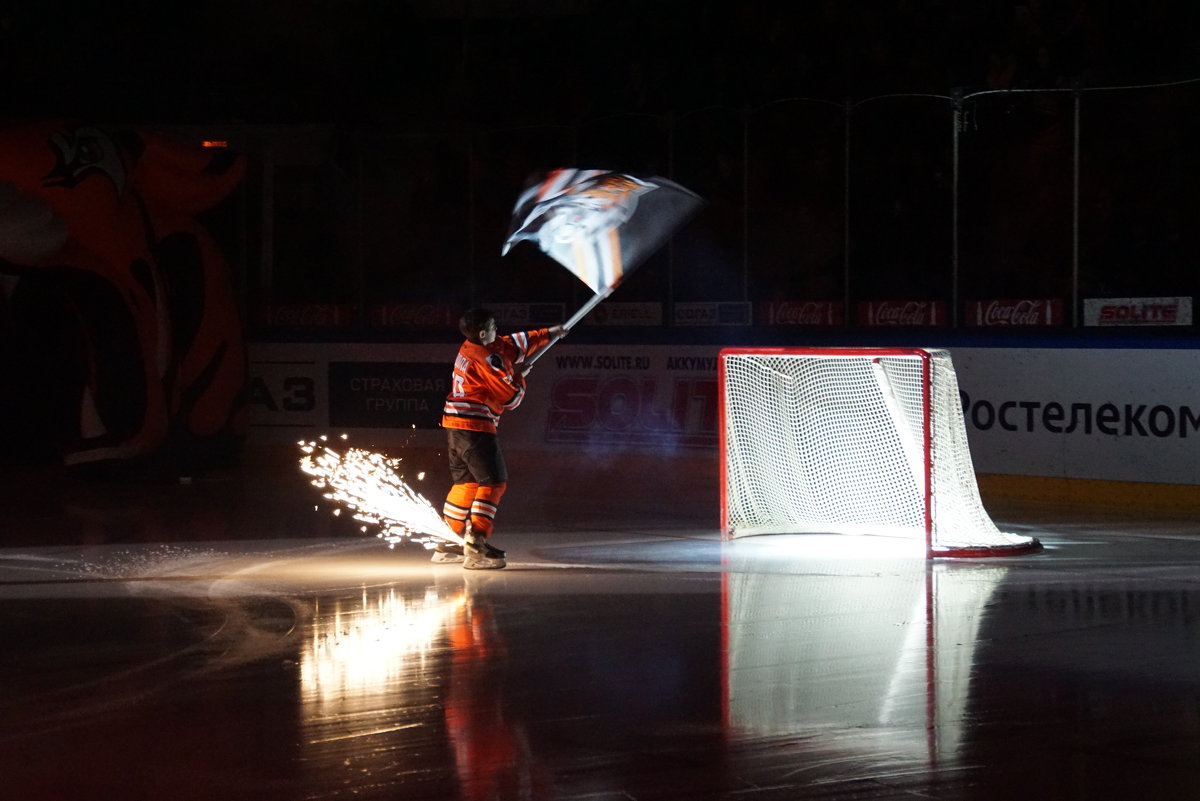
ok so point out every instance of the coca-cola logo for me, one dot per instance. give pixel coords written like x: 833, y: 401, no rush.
x: 801, y: 313
x: 912, y: 312
x: 1018, y: 312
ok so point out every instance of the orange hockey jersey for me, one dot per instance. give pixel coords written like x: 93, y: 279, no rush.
x: 487, y: 380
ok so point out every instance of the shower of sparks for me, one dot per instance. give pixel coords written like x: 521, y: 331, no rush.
x: 367, y: 484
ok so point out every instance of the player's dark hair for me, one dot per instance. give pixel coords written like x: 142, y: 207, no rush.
x: 472, y: 322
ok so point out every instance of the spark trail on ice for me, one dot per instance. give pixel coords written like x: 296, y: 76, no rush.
x: 367, y: 484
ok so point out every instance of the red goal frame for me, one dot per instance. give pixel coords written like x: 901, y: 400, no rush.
x: 874, y: 353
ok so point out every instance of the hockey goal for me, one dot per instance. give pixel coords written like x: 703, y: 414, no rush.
x: 851, y: 441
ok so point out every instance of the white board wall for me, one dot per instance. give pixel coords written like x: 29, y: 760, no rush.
x: 1110, y: 414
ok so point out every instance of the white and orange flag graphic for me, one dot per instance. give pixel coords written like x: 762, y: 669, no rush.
x: 599, y: 224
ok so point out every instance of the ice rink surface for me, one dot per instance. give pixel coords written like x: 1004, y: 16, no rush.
x: 223, y: 639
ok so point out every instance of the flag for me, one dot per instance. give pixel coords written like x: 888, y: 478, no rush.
x: 598, y: 224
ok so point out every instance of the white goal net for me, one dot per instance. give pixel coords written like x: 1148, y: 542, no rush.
x: 851, y: 441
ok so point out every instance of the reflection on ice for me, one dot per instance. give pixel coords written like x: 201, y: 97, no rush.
x: 855, y: 639
x: 397, y: 686
x: 366, y: 647
x: 369, y: 667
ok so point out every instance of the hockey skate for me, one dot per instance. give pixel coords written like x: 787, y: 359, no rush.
x: 480, y: 555
x: 447, y: 553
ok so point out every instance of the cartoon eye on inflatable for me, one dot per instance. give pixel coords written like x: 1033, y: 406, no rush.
x: 82, y: 152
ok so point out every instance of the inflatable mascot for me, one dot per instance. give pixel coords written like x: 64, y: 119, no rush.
x: 123, y: 333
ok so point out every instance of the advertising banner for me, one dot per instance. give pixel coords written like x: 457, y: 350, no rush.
x: 628, y: 398
x: 1112, y: 414
x: 307, y: 315
x: 617, y: 313
x: 413, y: 315
x: 387, y: 394
x: 1137, y: 311
x: 1010, y: 312
x: 713, y: 313
x: 602, y: 397
x: 524, y: 316
x: 1119, y: 414
x: 902, y: 313
x: 802, y: 312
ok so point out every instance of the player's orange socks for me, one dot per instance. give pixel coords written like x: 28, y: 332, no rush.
x: 457, y: 508
x: 483, y: 508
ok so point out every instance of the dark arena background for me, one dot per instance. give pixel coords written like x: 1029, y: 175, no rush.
x: 227, y: 228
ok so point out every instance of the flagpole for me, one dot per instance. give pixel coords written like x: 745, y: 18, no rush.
x: 587, y: 307
x: 592, y: 303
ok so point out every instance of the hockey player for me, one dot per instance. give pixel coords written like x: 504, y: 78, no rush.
x: 488, y: 380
